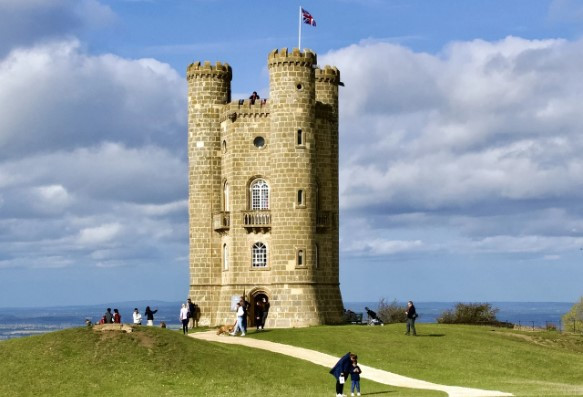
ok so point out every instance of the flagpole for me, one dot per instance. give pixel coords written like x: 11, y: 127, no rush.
x: 300, y: 31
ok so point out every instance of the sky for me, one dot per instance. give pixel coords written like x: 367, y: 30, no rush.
x: 461, y: 132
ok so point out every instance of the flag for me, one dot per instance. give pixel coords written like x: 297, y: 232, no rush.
x: 308, y: 18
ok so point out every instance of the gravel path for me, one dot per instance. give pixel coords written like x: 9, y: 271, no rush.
x: 328, y: 361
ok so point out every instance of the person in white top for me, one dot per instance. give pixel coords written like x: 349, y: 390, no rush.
x: 137, y: 317
x: 184, y: 319
x: 240, y: 315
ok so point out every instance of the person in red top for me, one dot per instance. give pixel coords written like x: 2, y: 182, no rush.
x: 116, y: 317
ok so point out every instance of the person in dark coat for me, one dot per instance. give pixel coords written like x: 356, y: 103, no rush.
x: 411, y: 316
x: 150, y: 315
x: 265, y: 313
x: 191, y: 312
x: 341, y: 370
x: 108, y: 316
x: 258, y: 314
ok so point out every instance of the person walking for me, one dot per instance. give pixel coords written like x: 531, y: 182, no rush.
x: 341, y: 370
x: 184, y: 319
x: 411, y: 316
x: 355, y: 372
x: 137, y: 317
x: 239, y: 324
x: 150, y: 315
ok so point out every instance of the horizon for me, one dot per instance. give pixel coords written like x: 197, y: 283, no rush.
x: 460, y: 166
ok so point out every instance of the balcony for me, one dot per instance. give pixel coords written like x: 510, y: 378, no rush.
x: 257, y: 219
x: 221, y: 221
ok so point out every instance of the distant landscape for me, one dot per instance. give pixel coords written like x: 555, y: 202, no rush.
x: 19, y: 322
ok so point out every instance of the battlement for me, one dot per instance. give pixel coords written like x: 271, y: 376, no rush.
x: 329, y: 74
x: 244, y: 108
x: 295, y: 57
x: 206, y: 70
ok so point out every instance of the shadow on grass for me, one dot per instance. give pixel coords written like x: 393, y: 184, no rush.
x: 378, y: 392
x: 431, y: 335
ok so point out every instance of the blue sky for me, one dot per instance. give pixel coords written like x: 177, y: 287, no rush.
x: 461, y: 138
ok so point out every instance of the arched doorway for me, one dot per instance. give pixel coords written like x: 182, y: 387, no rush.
x: 259, y: 300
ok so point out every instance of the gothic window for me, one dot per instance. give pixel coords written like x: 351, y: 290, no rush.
x: 226, y: 206
x: 259, y: 195
x: 259, y: 255
x: 300, y: 261
x: 225, y: 257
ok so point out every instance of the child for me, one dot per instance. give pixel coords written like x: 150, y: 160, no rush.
x: 355, y: 377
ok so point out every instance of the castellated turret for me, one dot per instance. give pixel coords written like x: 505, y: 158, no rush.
x: 263, y: 193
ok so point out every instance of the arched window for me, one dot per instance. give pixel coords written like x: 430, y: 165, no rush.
x: 259, y: 255
x: 301, y: 198
x: 259, y: 195
x: 225, y: 257
x: 300, y: 258
x: 226, y: 206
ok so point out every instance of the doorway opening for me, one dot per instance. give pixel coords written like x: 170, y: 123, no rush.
x: 259, y: 308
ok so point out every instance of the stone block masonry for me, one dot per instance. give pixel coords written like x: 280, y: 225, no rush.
x: 263, y: 193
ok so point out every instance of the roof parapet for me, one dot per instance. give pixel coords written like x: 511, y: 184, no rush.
x: 206, y: 70
x: 295, y: 57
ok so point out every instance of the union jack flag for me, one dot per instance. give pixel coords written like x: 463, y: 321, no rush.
x: 308, y: 18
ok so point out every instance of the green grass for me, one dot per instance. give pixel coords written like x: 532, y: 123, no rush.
x: 526, y: 364
x: 158, y: 362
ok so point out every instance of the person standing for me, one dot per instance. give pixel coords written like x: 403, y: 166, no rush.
x: 184, y: 314
x: 258, y: 314
x: 108, y: 316
x: 341, y: 370
x: 411, y: 316
x: 150, y: 315
x: 265, y: 313
x: 137, y: 317
x: 116, y: 316
x: 355, y: 372
x: 191, y: 311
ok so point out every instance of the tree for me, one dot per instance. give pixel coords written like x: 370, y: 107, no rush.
x: 391, y: 312
x: 470, y: 313
x: 573, y: 320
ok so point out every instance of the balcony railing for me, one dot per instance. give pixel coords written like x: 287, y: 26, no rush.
x: 222, y: 221
x: 257, y: 219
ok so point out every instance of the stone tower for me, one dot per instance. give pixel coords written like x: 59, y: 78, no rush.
x: 263, y: 193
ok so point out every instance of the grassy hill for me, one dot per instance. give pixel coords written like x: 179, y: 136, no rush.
x: 524, y: 363
x: 158, y: 362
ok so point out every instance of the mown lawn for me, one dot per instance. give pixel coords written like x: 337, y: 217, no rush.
x: 158, y: 362
x: 526, y: 364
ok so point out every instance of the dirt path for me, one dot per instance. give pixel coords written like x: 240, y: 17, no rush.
x: 326, y: 360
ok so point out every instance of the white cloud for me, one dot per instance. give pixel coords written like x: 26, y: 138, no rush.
x: 99, y: 234
x: 463, y: 147
x: 76, y: 99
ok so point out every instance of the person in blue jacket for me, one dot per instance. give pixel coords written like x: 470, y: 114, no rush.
x: 341, y: 370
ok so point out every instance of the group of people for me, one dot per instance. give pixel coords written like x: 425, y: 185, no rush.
x: 261, y: 313
x: 111, y: 318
